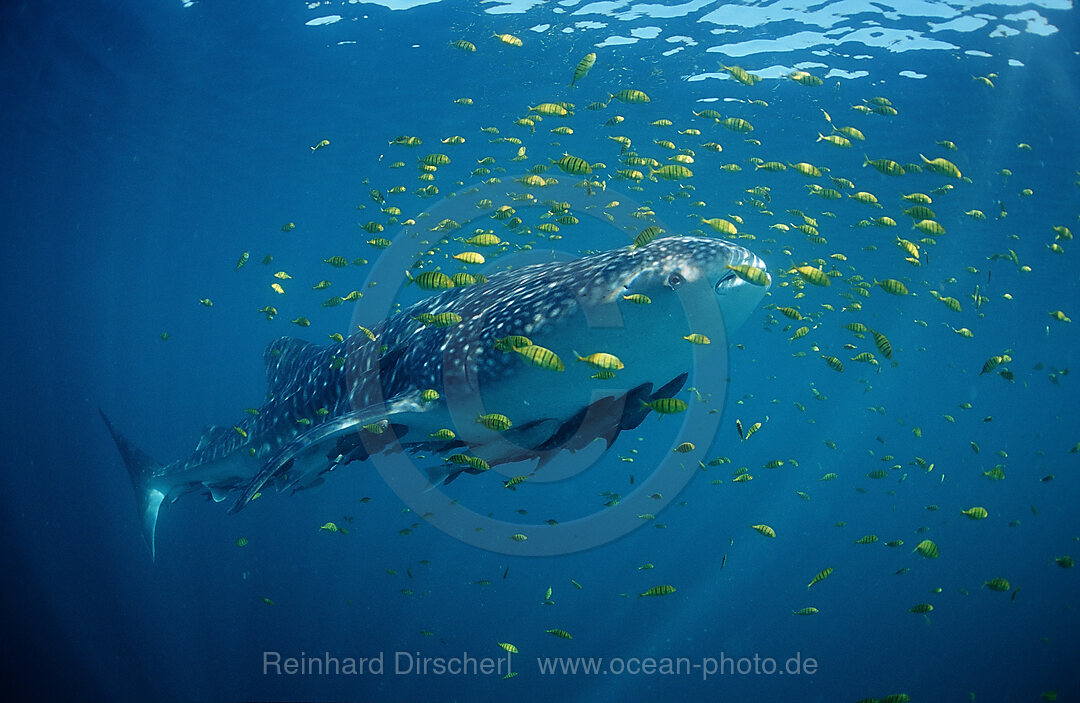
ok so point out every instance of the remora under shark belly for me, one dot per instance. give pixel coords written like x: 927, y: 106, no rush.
x: 332, y: 405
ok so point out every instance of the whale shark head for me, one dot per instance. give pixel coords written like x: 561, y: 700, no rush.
x: 677, y: 263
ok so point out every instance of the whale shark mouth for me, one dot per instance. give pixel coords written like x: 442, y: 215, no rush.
x: 729, y: 280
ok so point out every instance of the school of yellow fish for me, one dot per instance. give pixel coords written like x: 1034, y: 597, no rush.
x: 853, y: 194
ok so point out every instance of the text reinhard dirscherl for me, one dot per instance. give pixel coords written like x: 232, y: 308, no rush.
x: 415, y: 664
x: 403, y: 664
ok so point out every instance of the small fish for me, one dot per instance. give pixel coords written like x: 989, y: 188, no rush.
x: 921, y: 609
x: 666, y: 406
x: 495, y: 421
x: 927, y: 549
x: 751, y: 274
x: 764, y: 530
x: 602, y: 361
x: 430, y: 280
x: 540, y: 357
x: 820, y: 576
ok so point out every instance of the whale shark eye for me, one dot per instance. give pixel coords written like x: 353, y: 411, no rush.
x: 674, y: 280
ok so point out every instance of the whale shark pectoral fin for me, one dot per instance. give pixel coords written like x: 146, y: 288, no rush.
x: 309, y: 443
x: 671, y: 387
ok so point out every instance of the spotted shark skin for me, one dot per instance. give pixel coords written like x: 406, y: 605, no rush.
x: 320, y: 397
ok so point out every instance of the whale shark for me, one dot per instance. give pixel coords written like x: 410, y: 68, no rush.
x: 408, y: 385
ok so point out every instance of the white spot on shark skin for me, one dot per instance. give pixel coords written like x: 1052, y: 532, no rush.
x: 912, y: 74
x: 976, y: 52
x: 689, y: 41
x: 588, y: 24
x: 540, y: 28
x: 1015, y: 62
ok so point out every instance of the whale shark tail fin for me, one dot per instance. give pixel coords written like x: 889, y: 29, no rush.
x: 142, y: 469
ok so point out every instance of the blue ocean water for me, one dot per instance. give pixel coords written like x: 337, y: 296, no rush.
x: 148, y: 145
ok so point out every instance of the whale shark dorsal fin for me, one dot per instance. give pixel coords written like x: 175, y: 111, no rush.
x: 283, y: 357
x: 209, y: 434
